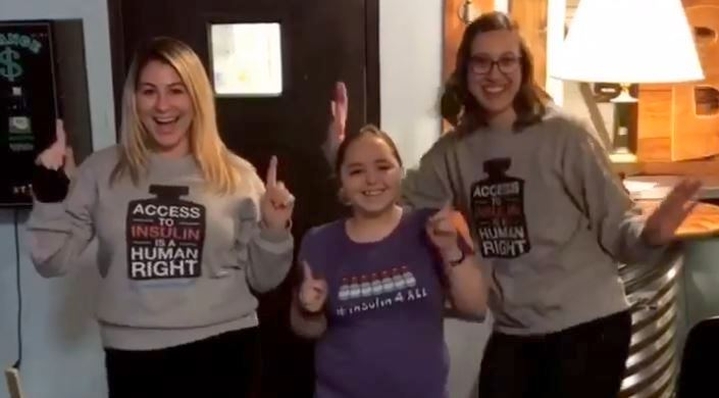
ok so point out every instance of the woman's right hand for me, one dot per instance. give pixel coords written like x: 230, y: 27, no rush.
x: 58, y: 155
x: 313, y: 291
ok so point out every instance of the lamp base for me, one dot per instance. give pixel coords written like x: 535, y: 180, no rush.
x: 625, y: 96
x: 622, y: 155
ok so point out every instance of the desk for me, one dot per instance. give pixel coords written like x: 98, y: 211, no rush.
x: 702, y: 222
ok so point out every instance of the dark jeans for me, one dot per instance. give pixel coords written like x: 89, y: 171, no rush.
x: 223, y: 366
x: 585, y: 361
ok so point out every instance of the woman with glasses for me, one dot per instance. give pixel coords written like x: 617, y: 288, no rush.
x: 549, y: 218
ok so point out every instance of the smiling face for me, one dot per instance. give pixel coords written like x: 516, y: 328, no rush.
x: 371, y: 174
x: 165, y: 107
x: 494, y: 72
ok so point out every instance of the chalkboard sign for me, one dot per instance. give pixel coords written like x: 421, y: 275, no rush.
x: 28, y: 104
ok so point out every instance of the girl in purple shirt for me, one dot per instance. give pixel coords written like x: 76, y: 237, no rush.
x: 375, y: 284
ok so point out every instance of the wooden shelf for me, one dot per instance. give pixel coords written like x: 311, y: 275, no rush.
x: 694, y: 168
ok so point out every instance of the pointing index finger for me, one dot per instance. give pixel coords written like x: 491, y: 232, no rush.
x: 307, y: 271
x: 61, y: 137
x: 341, y: 93
x: 272, y: 172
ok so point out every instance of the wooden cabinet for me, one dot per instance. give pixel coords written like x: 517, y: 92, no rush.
x: 681, y: 121
x: 454, y: 28
x: 452, y: 36
x: 531, y: 16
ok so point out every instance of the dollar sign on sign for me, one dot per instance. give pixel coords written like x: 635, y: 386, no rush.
x: 9, y: 69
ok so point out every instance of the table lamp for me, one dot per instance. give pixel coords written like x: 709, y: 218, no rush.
x: 628, y: 42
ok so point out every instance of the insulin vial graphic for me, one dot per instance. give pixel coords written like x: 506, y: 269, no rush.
x: 165, y: 235
x: 398, y: 280
x: 498, y: 212
x: 355, y: 291
x: 376, y: 285
x: 365, y: 286
x: 387, y: 283
x: 409, y: 278
x: 344, y: 292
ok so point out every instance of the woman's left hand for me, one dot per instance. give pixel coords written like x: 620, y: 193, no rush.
x: 277, y: 203
x: 661, y: 225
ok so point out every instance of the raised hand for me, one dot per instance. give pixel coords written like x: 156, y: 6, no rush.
x: 441, y: 232
x: 313, y: 291
x: 661, y: 225
x: 277, y: 202
x: 58, y: 155
x: 336, y: 129
x: 445, y: 228
x: 339, y: 106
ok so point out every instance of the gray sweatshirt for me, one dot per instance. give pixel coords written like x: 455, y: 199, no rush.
x: 177, y: 261
x: 549, y: 218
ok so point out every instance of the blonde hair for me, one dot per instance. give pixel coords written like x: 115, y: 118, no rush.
x: 216, y: 162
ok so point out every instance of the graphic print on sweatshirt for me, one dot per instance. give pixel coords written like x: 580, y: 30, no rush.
x: 361, y: 293
x: 498, y: 210
x: 165, y: 235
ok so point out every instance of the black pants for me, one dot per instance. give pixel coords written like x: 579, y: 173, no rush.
x: 585, y: 361
x: 223, y: 366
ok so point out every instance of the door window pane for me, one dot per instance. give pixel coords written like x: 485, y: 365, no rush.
x: 246, y: 59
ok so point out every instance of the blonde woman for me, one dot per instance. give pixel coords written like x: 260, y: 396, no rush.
x: 185, y: 230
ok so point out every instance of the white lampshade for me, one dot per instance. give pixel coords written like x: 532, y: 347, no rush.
x: 628, y: 41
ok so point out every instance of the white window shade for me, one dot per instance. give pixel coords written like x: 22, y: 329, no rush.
x: 628, y: 41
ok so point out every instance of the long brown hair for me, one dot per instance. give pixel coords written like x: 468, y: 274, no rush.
x: 212, y: 156
x: 462, y: 110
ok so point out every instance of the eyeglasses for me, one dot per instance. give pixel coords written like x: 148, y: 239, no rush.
x: 482, y: 65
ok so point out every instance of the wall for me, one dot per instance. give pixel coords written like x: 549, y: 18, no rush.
x: 410, y: 72
x: 62, y: 358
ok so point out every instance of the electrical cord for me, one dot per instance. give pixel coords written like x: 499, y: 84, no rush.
x: 18, y: 286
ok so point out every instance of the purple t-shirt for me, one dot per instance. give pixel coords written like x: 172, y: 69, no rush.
x: 384, y: 310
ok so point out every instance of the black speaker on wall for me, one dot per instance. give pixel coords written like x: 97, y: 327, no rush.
x: 42, y: 78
